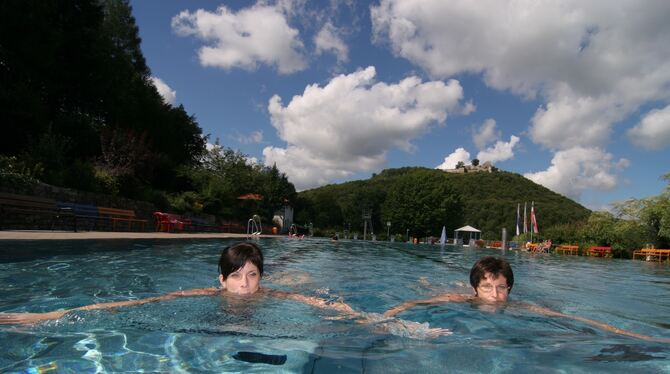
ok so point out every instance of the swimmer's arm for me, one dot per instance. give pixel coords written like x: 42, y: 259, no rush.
x: 598, y: 324
x: 338, y: 306
x: 445, y: 298
x: 32, y: 318
x: 169, y: 296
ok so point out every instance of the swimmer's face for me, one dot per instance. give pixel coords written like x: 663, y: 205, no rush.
x: 245, y: 281
x: 492, y: 289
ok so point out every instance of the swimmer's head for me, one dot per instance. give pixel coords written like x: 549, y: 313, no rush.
x: 492, y: 279
x: 241, y: 268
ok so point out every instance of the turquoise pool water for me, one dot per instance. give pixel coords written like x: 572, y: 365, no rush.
x: 204, y: 334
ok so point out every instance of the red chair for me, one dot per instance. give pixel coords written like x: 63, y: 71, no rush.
x: 166, y: 222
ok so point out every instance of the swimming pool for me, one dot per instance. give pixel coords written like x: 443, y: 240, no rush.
x: 203, y: 334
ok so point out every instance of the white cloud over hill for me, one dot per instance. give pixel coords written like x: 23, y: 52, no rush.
x: 450, y: 162
x: 576, y: 169
x: 351, y: 123
x: 593, y: 64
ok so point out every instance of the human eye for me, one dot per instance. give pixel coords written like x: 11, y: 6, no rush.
x: 486, y: 287
x: 235, y: 275
x: 502, y: 288
x: 253, y: 274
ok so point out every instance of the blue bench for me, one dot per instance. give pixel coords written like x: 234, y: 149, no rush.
x: 84, y: 214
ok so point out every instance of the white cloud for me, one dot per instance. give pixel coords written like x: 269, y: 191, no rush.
x: 258, y: 34
x: 593, y: 63
x: 254, y: 137
x: 574, y: 170
x: 349, y: 124
x: 454, y: 158
x: 328, y: 40
x: 210, y: 147
x: 468, y: 108
x: 653, y: 132
x: 168, y: 94
x: 500, y: 151
x: 485, y: 134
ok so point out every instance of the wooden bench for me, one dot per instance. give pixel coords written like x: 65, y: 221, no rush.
x: 115, y: 215
x: 600, y: 251
x: 26, y: 205
x: 83, y: 215
x: 567, y: 249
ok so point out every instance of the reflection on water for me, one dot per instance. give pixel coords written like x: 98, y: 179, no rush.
x: 215, y: 334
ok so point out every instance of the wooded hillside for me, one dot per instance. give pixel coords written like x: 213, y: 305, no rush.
x: 423, y: 200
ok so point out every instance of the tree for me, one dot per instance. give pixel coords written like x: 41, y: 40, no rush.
x: 422, y: 203
x: 475, y: 162
x: 460, y: 165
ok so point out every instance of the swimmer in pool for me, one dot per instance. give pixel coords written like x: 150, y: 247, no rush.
x: 240, y: 273
x: 492, y: 280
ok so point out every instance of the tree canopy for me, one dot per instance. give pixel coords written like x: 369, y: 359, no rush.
x: 423, y: 200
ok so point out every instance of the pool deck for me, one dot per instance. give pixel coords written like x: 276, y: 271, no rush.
x: 69, y: 235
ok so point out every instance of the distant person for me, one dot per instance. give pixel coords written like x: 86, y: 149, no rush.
x: 492, y: 280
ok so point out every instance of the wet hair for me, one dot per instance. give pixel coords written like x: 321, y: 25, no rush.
x: 235, y: 256
x: 497, y: 266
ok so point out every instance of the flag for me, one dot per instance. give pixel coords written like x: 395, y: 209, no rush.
x: 518, y: 218
x: 525, y: 226
x: 533, y: 220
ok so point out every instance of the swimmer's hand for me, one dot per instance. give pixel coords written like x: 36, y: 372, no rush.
x: 400, y: 327
x: 413, y: 330
x: 29, y: 318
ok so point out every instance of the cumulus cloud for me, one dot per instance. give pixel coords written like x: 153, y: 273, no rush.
x: 169, y: 95
x: 592, y: 62
x: 327, y: 40
x: 468, y: 108
x: 653, y: 132
x: 256, y: 35
x: 254, y: 137
x: 500, y: 151
x: 574, y: 170
x: 454, y: 158
x: 349, y: 124
x: 485, y: 134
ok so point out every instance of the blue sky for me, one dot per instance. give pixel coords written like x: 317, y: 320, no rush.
x: 573, y: 96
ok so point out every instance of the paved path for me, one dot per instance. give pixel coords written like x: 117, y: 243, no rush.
x: 69, y: 235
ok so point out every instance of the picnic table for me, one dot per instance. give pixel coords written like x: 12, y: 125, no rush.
x: 600, y: 251
x: 567, y: 249
x: 652, y: 254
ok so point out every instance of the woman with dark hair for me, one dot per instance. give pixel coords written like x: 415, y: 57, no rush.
x: 240, y: 274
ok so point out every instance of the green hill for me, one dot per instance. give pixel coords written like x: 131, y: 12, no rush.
x: 422, y: 200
